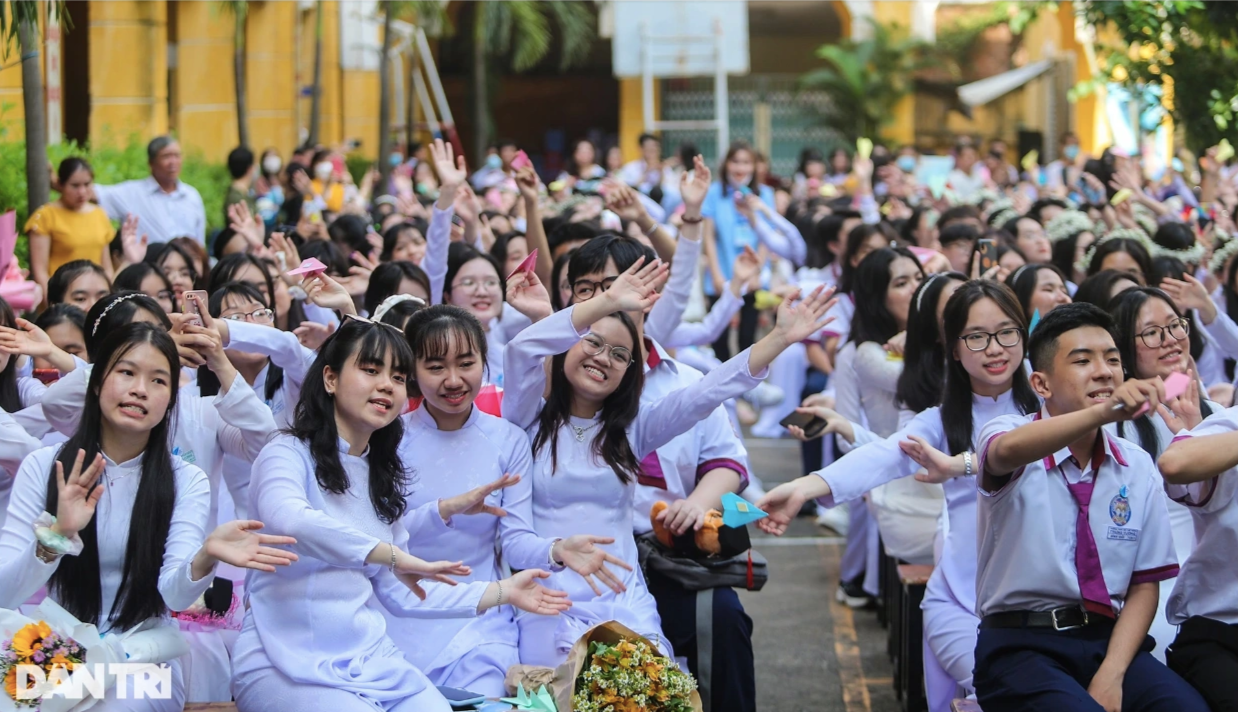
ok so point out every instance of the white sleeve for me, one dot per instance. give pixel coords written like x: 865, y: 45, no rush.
x: 880, y: 461
x: 31, y: 417
x: 667, y: 312
x: 710, y: 328
x: 781, y: 237
x: 874, y: 368
x: 245, y: 423
x: 109, y: 198
x: 438, y: 240
x: 185, y: 538
x: 283, y: 347
x: 278, y: 498
x: 522, y: 547
x: 21, y: 572
x: 678, y: 411
x: 320, y: 315
x: 64, y: 400
x: 524, y: 374
x: 442, y: 600
x: 15, y: 445
x: 1223, y: 330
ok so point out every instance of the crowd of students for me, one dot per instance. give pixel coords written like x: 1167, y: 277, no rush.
x: 433, y: 459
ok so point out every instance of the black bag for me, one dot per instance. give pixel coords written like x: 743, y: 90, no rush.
x: 746, y: 570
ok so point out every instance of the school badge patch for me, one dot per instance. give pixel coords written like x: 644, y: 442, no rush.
x: 1120, y: 508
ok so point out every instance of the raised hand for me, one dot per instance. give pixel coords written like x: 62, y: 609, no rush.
x: 285, y: 252
x: 239, y: 543
x: 451, y: 170
x: 624, y: 202
x: 134, y: 247
x: 581, y: 554
x: 636, y: 289
x: 693, y: 187
x: 313, y: 335
x: 797, y: 320
x: 939, y: 467
x: 527, y: 295
x: 526, y: 180
x: 27, y: 339
x: 411, y: 570
x: 474, y: 501
x: 321, y: 290
x: 1189, y: 293
x: 244, y: 224
x: 524, y: 592
x: 746, y: 269
x: 77, y: 495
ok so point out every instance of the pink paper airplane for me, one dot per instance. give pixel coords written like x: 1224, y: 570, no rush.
x: 527, y: 265
x: 1175, y: 385
x: 310, y: 267
x: 521, y: 160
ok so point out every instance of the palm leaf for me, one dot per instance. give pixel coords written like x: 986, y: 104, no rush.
x: 576, y: 29
x: 532, y: 34
x: 15, y: 13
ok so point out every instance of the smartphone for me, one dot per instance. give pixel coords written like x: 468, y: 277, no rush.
x: 461, y: 699
x: 988, y: 254
x: 194, y: 307
x: 809, y: 423
x: 47, y: 376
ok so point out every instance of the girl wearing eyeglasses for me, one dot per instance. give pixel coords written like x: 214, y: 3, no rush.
x: 590, y: 432
x: 474, y: 283
x: 985, y: 333
x: 1154, y: 340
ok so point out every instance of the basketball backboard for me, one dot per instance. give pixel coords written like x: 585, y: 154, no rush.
x: 682, y: 33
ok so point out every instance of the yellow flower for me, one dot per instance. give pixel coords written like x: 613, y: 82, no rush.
x: 43, y: 628
x: 27, y: 640
x: 10, y: 682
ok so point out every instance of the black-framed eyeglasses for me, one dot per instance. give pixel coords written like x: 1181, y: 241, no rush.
x: 595, y: 346
x: 365, y: 320
x: 583, y: 289
x: 980, y: 340
x: 260, y: 316
x: 1154, y: 336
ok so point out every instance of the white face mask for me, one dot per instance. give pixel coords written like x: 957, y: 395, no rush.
x: 272, y: 164
x: 323, y: 170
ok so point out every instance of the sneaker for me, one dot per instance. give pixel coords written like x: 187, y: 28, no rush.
x: 852, y: 594
x: 764, y: 395
x: 836, y: 518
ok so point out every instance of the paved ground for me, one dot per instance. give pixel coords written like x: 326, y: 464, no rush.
x: 811, y: 653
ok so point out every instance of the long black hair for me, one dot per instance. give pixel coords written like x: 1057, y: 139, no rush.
x: 856, y: 239
x: 1125, y: 309
x: 1063, y: 253
x: 619, y: 410
x: 385, y: 281
x: 64, y: 276
x: 873, y: 320
x: 314, y: 422
x: 1130, y: 246
x: 158, y: 254
x: 956, y: 399
x: 130, y: 278
x: 460, y: 254
x: 226, y: 270
x: 208, y: 382
x: 114, y: 311
x: 1166, y: 267
x: 430, y: 331
x: 10, y: 396
x: 391, y: 238
x: 76, y: 582
x: 924, y: 358
x: 1098, y: 288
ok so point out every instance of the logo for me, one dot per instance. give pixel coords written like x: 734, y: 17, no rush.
x: 1120, y: 508
x: 186, y: 455
x: 146, y: 681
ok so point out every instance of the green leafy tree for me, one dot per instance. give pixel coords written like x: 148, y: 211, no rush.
x: 1193, y: 44
x: 19, y: 20
x: 866, y: 79
x: 239, y: 10
x: 519, y: 31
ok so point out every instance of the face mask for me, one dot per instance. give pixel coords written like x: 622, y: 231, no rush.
x: 1071, y: 152
x: 322, y: 171
x: 493, y: 161
x: 271, y: 164
x: 396, y: 159
x: 906, y: 164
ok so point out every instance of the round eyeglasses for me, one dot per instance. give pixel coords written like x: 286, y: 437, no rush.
x: 1154, y: 337
x: 980, y: 340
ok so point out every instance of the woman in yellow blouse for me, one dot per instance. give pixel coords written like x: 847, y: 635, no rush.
x: 71, y: 228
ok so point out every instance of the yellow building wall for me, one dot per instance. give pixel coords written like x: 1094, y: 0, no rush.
x: 271, y: 76
x: 12, y: 112
x: 902, y: 126
x: 204, y: 89
x: 632, y: 114
x: 128, y: 69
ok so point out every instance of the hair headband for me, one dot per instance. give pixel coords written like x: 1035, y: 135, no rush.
x: 94, y: 329
x: 393, y: 300
x: 924, y: 288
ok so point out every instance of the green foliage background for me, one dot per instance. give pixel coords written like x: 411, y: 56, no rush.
x: 113, y: 162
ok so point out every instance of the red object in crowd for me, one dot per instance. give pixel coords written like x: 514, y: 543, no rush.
x: 489, y: 401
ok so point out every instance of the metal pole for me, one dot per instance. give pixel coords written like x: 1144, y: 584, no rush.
x: 646, y: 64
x: 419, y: 86
x: 721, y: 105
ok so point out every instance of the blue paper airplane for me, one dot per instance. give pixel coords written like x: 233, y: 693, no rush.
x: 737, y: 511
x: 1035, y: 320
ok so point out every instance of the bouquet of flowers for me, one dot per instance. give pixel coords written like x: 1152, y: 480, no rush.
x: 630, y: 676
x: 36, y: 644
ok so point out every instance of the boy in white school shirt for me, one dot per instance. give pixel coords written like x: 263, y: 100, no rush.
x: 1201, y: 471
x: 1073, y: 536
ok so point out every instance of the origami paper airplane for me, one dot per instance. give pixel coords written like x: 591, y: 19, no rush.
x: 310, y: 267
x: 1035, y: 321
x: 527, y: 265
x: 1175, y: 386
x: 737, y: 512
x: 521, y: 160
x: 863, y: 148
x: 540, y: 701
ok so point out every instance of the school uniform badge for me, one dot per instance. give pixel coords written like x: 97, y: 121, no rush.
x: 1120, y: 508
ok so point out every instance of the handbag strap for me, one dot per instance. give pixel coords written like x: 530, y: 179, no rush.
x: 704, y: 644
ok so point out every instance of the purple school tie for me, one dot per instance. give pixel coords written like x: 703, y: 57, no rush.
x: 1087, y: 559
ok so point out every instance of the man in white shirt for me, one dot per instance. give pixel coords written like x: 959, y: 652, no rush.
x: 1074, y: 537
x: 165, y: 207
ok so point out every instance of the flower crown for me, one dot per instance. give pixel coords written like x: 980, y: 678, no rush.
x: 1067, y: 223
x: 1222, y: 254
x: 1117, y: 234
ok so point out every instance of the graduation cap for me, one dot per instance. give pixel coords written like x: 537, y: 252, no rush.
x: 310, y: 267
x: 527, y: 265
x: 738, y: 512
